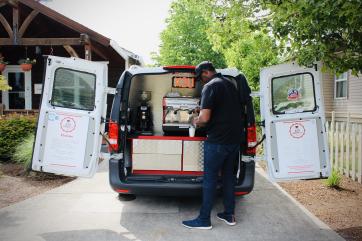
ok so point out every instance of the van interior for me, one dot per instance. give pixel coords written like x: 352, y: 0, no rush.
x: 159, y: 145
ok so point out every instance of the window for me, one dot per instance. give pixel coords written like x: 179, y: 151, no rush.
x: 340, y: 86
x: 293, y: 94
x: 17, y: 93
x: 73, y: 89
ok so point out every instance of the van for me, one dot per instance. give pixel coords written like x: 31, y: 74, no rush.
x: 152, y: 148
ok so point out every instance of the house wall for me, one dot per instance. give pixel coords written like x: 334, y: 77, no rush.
x: 353, y: 102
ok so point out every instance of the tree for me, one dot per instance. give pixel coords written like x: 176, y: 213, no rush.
x: 233, y: 34
x: 220, y: 31
x: 319, y: 30
x: 184, y: 41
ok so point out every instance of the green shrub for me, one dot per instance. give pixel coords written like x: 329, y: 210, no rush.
x: 13, y: 130
x: 334, y: 179
x: 23, y: 151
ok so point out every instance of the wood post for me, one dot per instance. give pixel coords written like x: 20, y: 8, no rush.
x: 87, y: 46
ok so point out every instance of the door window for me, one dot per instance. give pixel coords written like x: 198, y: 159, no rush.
x: 73, y: 89
x: 293, y: 94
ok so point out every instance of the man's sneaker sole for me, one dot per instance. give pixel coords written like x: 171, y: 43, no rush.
x: 228, y: 223
x: 203, y: 228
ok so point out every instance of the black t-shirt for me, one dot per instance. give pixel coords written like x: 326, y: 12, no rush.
x: 222, y: 97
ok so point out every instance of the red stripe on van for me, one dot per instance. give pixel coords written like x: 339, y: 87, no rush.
x: 184, y: 138
x: 162, y: 172
x: 170, y: 67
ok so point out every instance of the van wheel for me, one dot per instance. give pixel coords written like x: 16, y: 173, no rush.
x: 126, y: 197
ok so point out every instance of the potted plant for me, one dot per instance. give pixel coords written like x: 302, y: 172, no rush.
x: 2, y: 64
x: 27, y: 64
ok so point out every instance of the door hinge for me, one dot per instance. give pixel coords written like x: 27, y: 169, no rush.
x: 255, y: 94
x: 261, y: 123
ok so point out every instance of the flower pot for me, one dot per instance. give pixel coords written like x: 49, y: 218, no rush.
x: 26, y: 67
x: 2, y: 67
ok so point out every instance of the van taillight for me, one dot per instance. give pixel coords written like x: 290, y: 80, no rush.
x: 113, y: 136
x: 251, y: 135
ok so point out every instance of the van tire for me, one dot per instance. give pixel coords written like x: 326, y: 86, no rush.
x: 126, y: 197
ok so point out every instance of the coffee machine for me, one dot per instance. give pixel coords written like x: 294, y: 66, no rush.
x: 144, y: 115
x: 178, y: 113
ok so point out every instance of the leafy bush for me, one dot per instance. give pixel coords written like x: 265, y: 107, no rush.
x: 334, y: 179
x: 3, y: 84
x: 23, y: 151
x: 13, y: 130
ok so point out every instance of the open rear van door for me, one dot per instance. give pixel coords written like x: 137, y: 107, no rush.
x: 292, y: 107
x: 68, y: 139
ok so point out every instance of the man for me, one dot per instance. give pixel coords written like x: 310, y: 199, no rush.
x: 221, y: 114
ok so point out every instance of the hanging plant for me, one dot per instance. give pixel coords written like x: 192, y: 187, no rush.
x: 2, y: 64
x: 27, y: 64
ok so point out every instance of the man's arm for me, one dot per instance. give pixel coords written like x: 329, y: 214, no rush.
x: 203, y: 118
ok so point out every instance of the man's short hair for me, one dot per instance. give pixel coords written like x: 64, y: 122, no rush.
x: 204, y: 65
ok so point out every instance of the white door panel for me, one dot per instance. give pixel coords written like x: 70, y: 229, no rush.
x: 68, y: 136
x: 292, y: 107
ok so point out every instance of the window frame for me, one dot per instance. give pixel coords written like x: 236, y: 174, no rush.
x: 336, y: 80
x: 74, y: 70
x: 295, y: 74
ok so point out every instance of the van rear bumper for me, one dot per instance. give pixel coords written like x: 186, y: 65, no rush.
x: 172, y: 189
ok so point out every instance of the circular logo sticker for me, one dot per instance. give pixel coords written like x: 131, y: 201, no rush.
x: 297, y: 130
x: 293, y: 94
x: 67, y: 124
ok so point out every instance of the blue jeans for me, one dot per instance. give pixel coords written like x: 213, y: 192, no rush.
x: 218, y: 157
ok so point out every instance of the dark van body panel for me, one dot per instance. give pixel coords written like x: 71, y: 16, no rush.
x: 164, y: 188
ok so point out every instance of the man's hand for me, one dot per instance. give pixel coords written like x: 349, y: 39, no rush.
x: 203, y: 118
x: 195, y: 120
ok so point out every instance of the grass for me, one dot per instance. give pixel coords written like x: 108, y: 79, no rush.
x: 23, y: 151
x: 334, y: 180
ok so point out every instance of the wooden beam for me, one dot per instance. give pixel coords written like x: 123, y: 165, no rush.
x: 6, y: 41
x: 13, y: 3
x: 26, y: 22
x: 71, y: 51
x: 50, y: 41
x: 6, y: 25
x: 42, y: 41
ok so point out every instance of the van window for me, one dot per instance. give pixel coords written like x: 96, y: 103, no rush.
x: 293, y: 94
x: 73, y: 89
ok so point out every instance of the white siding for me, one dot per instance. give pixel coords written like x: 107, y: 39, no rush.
x: 352, y: 104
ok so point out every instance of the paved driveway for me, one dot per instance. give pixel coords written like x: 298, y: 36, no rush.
x: 88, y: 210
